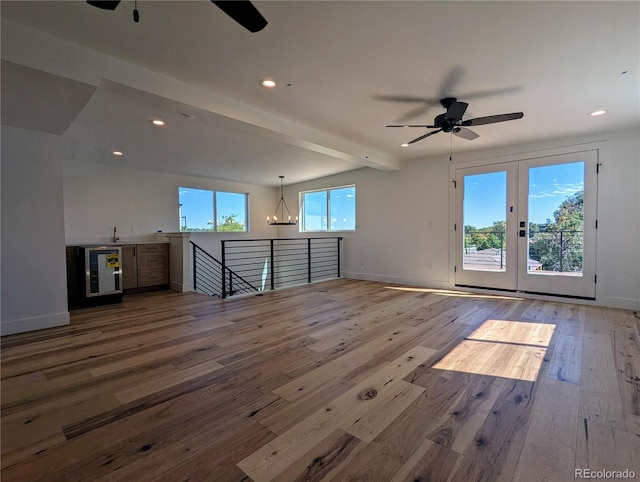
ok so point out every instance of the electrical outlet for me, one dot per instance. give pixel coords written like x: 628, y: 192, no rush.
x: 134, y: 231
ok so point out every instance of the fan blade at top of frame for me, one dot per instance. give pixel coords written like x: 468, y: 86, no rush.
x: 492, y: 119
x: 104, y: 4
x: 244, y: 13
x: 424, y: 136
x: 465, y: 133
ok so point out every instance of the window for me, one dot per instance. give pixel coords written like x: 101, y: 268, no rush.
x: 212, y: 211
x: 329, y: 209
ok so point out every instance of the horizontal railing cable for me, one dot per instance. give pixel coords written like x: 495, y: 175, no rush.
x: 271, y: 263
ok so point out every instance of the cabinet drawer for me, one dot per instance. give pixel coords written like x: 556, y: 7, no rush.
x: 153, y: 261
x: 152, y: 277
x: 152, y: 248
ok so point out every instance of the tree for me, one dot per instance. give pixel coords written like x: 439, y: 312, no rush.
x: 558, y: 243
x: 230, y: 225
x: 486, y: 238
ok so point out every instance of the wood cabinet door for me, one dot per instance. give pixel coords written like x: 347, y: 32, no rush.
x: 129, y: 267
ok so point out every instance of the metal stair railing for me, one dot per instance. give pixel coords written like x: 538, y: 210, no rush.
x: 277, y: 263
x: 208, y: 276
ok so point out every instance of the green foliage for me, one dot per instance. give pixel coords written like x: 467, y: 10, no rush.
x: 486, y: 238
x: 228, y: 225
x: 556, y: 244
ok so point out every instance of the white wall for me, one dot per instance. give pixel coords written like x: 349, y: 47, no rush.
x: 34, y: 287
x: 404, y: 220
x: 98, y: 197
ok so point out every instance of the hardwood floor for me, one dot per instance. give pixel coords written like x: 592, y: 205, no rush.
x: 340, y: 380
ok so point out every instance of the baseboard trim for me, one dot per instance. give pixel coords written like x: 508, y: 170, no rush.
x: 180, y: 287
x: 23, y: 325
x: 400, y: 280
x: 622, y: 303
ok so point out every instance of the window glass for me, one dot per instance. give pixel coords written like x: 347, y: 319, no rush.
x: 329, y: 209
x: 343, y: 209
x: 204, y: 210
x: 231, y: 212
x: 315, y: 211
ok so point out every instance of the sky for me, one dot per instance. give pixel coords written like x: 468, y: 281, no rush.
x: 485, y: 195
x: 197, y: 206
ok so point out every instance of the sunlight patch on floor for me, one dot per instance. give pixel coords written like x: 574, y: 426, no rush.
x: 501, y: 348
x: 459, y: 294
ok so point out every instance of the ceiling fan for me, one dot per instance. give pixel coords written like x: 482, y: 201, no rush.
x: 451, y: 121
x: 242, y: 11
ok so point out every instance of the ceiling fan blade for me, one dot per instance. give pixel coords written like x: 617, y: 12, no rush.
x: 412, y: 125
x: 408, y: 98
x: 492, y: 119
x: 465, y: 133
x: 104, y: 4
x: 450, y: 82
x: 243, y: 12
x: 424, y: 136
x: 456, y: 111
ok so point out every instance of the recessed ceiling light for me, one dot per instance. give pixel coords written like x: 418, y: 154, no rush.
x: 157, y: 122
x: 268, y: 83
x: 404, y: 144
x: 118, y: 153
x: 596, y: 113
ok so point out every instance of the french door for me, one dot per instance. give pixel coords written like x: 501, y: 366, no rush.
x: 528, y: 225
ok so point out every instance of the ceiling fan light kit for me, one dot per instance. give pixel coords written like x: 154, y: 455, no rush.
x: 451, y: 121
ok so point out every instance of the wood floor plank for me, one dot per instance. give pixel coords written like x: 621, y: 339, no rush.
x: 343, y: 412
x: 497, y: 438
x: 604, y: 448
x: 329, y: 455
x: 459, y: 425
x: 566, y: 360
x: 339, y: 380
x: 550, y: 445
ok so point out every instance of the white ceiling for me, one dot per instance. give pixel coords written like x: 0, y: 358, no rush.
x: 554, y: 61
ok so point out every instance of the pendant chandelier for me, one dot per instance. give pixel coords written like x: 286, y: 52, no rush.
x: 282, y: 205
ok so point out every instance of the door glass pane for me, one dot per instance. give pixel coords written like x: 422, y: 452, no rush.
x: 485, y: 221
x: 556, y: 219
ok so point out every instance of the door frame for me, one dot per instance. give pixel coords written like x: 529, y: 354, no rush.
x: 588, y: 149
x: 503, y: 280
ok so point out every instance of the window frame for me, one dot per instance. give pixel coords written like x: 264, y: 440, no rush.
x: 214, y: 209
x: 327, y: 190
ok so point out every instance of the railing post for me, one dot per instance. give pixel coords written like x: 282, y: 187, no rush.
x: 230, y: 283
x: 338, y: 247
x: 561, y: 252
x: 273, y: 284
x: 193, y: 250
x: 224, y: 266
x: 309, y: 260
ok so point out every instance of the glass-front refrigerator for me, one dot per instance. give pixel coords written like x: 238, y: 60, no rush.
x: 102, y: 270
